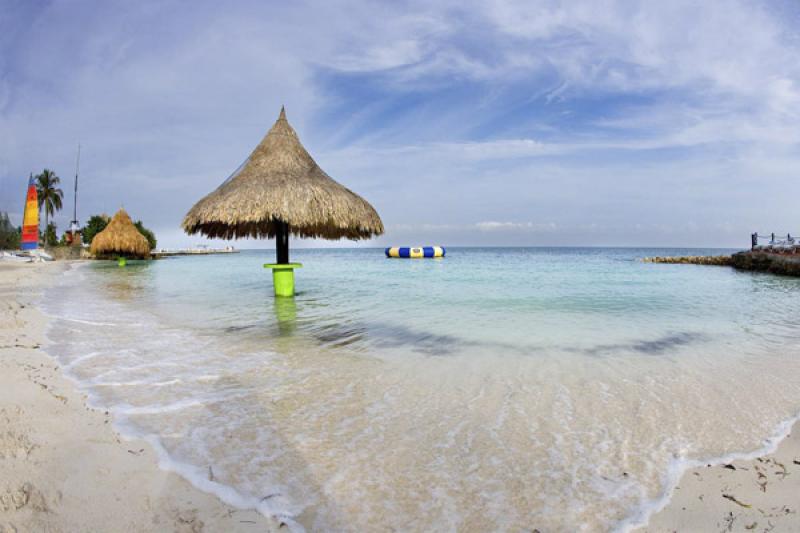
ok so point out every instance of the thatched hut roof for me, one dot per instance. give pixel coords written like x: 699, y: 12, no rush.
x: 120, y: 237
x: 280, y: 182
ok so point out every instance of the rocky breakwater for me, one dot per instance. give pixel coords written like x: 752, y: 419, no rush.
x: 772, y: 262
x: 786, y: 264
x: 712, y: 260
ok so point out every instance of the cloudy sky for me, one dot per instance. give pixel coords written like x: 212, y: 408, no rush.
x: 463, y: 123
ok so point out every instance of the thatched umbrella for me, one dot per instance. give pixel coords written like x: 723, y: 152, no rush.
x: 121, y: 238
x: 280, y: 190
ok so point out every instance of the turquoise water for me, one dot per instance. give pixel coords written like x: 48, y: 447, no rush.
x: 497, y: 389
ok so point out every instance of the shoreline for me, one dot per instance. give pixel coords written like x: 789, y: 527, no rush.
x: 69, y: 467
x: 738, y: 491
x: 65, y: 467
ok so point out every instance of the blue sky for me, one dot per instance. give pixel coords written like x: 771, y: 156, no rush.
x: 463, y: 123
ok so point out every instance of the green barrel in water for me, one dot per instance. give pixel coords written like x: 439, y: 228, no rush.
x: 283, y: 277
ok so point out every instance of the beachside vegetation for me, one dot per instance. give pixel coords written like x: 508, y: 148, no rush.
x: 148, y: 234
x: 94, y: 225
x: 50, y: 195
x: 9, y: 235
x: 50, y: 236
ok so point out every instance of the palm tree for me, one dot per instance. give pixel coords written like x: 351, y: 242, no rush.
x: 49, y: 194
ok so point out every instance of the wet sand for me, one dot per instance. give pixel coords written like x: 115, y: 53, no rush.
x: 63, y: 466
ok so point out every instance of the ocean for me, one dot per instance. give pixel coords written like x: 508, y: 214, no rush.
x: 502, y: 389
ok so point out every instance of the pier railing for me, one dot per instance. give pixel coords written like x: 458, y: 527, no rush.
x: 774, y: 243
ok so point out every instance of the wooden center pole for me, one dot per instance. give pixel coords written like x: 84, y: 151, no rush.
x: 282, y: 243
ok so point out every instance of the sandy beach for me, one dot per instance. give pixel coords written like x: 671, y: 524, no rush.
x: 66, y: 469
x: 63, y: 466
x: 758, y: 495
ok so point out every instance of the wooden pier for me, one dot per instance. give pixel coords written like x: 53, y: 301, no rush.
x: 194, y: 251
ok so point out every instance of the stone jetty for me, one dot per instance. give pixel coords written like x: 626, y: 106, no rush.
x: 786, y: 264
x: 775, y: 263
x: 713, y: 260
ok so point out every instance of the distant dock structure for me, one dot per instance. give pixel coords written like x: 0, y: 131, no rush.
x: 768, y: 253
x: 200, y: 249
x: 775, y: 244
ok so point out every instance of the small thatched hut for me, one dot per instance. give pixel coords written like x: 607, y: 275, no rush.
x: 280, y: 190
x: 120, y: 238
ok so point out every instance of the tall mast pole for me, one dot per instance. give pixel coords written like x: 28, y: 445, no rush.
x: 75, y: 203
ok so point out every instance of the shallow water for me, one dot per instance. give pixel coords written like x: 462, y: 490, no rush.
x: 497, y: 389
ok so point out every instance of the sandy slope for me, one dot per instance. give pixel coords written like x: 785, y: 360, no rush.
x: 62, y: 466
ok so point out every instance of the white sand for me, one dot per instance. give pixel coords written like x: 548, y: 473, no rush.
x: 750, y: 496
x: 62, y: 466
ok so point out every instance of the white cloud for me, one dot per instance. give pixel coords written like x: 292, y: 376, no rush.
x: 492, y: 225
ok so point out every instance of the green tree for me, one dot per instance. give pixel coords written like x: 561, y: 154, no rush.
x: 148, y: 234
x: 95, y: 225
x: 50, y: 195
x: 50, y: 236
x: 9, y: 235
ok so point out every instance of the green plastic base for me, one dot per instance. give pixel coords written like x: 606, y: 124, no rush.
x: 122, y: 261
x: 283, y: 277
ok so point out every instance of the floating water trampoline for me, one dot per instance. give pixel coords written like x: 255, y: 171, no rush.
x: 415, y: 253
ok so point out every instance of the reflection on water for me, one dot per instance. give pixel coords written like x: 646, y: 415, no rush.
x: 494, y: 390
x: 124, y: 284
x: 286, y: 315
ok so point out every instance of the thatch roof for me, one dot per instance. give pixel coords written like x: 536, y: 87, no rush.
x: 120, y: 237
x: 281, y: 182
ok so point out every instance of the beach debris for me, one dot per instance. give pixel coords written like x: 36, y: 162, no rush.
x: 187, y: 521
x: 134, y: 452
x: 796, y: 462
x: 729, y: 467
x: 268, y: 496
x: 752, y: 526
x: 210, y: 473
x: 783, y: 472
x: 729, y: 519
x: 29, y: 347
x: 732, y: 498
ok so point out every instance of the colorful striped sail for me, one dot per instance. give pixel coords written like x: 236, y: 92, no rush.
x: 30, y: 218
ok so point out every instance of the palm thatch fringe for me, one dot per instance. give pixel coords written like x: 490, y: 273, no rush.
x: 280, y: 182
x: 120, y: 237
